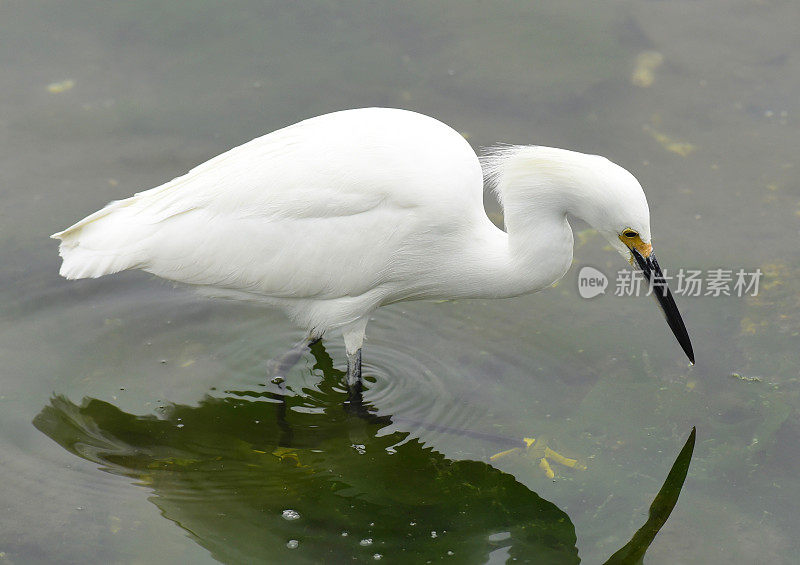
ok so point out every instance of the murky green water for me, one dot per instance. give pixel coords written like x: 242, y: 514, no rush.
x: 139, y: 425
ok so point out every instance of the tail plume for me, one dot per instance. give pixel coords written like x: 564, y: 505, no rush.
x: 100, y: 244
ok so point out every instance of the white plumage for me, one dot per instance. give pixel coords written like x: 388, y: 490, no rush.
x: 337, y: 215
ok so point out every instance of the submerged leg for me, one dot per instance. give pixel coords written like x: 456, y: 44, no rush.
x: 355, y: 387
x: 279, y: 366
x: 354, y: 405
x: 353, y: 340
x: 354, y: 369
x: 276, y: 371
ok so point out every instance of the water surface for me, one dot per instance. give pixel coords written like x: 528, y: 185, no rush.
x: 698, y: 99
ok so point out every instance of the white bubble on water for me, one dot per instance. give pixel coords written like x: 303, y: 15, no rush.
x: 290, y: 514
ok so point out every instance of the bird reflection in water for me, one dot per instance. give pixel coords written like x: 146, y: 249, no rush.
x: 272, y: 472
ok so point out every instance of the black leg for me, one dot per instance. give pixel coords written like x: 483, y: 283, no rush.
x: 276, y: 372
x: 287, y: 434
x: 279, y: 366
x: 355, y: 388
x: 354, y: 370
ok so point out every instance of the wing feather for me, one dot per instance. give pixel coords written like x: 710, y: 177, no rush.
x: 319, y: 209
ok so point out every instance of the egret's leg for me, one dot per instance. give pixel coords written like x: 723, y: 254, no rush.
x: 279, y: 366
x: 355, y: 387
x: 353, y: 340
x: 354, y: 369
x: 287, y: 433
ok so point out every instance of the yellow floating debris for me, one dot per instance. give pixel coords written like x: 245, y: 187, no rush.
x: 497, y: 456
x: 287, y: 454
x: 561, y: 460
x: 583, y: 236
x: 644, y: 71
x: 682, y: 148
x: 59, y: 87
x: 544, y: 454
x: 746, y: 378
x: 545, y: 466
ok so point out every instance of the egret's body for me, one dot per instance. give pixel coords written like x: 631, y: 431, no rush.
x: 337, y: 215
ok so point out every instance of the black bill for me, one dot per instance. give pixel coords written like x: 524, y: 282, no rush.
x: 652, y: 271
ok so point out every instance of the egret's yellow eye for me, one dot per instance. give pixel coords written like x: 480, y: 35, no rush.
x: 630, y: 233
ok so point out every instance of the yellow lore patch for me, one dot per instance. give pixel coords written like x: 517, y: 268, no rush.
x: 636, y: 242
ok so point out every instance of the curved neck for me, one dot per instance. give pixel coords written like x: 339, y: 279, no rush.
x: 534, y: 253
x: 540, y: 243
x: 533, y: 179
x: 537, y: 187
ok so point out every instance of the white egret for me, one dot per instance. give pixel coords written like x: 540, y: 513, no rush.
x: 337, y: 215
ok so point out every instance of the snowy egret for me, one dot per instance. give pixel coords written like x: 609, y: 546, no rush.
x: 337, y: 215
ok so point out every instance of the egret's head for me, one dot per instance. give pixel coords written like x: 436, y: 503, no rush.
x: 533, y: 180
x: 621, y: 214
x: 614, y: 203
